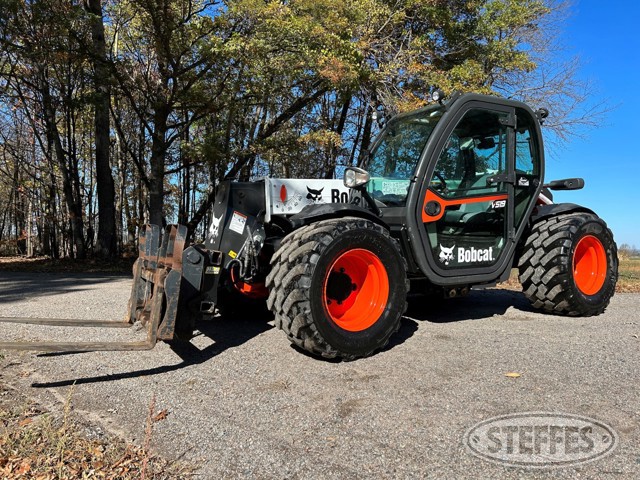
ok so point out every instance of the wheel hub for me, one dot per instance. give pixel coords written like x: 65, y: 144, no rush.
x: 356, y: 290
x: 339, y: 286
x: 589, y: 265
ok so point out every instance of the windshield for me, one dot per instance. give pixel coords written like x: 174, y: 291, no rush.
x: 393, y: 162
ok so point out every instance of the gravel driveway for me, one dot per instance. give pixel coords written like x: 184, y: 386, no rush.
x: 242, y: 403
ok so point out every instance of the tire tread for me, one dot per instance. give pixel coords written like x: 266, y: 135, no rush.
x: 545, y: 265
x: 289, y: 297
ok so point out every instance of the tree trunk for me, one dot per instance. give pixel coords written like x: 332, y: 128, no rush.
x: 73, y: 203
x: 107, y: 245
x: 185, y: 175
x: 366, y: 135
x: 342, y: 120
x: 156, y: 177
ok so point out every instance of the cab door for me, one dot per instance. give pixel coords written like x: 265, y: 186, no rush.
x: 467, y: 208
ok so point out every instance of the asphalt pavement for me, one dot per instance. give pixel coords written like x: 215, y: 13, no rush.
x: 243, y: 403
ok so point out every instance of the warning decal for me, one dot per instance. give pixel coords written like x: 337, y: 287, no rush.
x: 238, y: 222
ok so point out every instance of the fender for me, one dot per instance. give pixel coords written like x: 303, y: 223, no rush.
x: 315, y: 213
x: 545, y: 211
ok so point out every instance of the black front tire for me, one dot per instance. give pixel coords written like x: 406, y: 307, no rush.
x: 301, y: 287
x: 550, y: 271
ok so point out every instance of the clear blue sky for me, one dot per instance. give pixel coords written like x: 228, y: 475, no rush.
x: 606, y: 37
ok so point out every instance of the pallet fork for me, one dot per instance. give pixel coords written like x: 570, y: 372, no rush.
x: 154, y: 301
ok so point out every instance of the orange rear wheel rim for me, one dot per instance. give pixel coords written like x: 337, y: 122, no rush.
x: 589, y: 265
x: 356, y: 290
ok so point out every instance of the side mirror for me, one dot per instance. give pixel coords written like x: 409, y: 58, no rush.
x: 355, y: 177
x: 566, y: 184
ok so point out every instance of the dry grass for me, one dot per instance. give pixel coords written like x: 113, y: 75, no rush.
x: 41, y: 445
x: 629, y: 275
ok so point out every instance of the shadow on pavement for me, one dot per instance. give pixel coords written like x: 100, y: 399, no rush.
x: 18, y: 287
x: 232, y: 333
x: 477, y: 305
x: 225, y: 333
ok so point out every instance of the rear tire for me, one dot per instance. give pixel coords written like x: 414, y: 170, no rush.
x: 569, y: 265
x: 338, y: 287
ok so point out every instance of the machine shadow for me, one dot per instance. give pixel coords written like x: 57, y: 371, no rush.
x: 18, y: 287
x: 224, y: 333
x: 477, y: 305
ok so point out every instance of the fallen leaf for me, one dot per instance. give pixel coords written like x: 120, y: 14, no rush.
x: 512, y: 374
x: 25, y: 421
x: 25, y: 466
x: 162, y: 414
x: 97, y: 451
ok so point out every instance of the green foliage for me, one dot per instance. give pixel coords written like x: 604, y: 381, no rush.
x: 208, y: 89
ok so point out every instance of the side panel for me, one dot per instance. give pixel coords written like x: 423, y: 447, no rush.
x: 290, y: 196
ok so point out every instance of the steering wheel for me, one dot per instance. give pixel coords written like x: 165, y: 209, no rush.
x: 442, y: 187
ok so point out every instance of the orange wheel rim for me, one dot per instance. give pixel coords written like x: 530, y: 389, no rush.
x: 356, y: 290
x: 589, y: 265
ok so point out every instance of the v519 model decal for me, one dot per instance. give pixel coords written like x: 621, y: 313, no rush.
x: 432, y: 196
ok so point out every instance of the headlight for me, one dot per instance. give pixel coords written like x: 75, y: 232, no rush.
x: 355, y: 177
x: 437, y: 95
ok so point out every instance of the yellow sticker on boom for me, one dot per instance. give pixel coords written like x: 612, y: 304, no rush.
x: 232, y: 254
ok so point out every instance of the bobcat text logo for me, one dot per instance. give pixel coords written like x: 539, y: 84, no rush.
x: 446, y: 254
x: 215, y: 225
x: 465, y: 255
x: 472, y: 255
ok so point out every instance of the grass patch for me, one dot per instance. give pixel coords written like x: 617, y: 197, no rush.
x: 42, y: 445
x: 629, y: 275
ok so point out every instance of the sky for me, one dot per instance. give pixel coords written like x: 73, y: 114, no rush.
x: 606, y: 38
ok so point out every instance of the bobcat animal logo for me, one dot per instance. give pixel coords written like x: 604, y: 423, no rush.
x: 446, y: 254
x: 215, y: 225
x: 314, y: 195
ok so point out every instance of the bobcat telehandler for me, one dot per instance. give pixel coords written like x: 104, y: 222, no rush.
x: 450, y: 197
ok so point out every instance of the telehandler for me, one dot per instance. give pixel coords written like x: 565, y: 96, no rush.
x: 450, y: 197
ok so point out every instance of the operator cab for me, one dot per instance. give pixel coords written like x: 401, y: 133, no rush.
x: 457, y: 180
